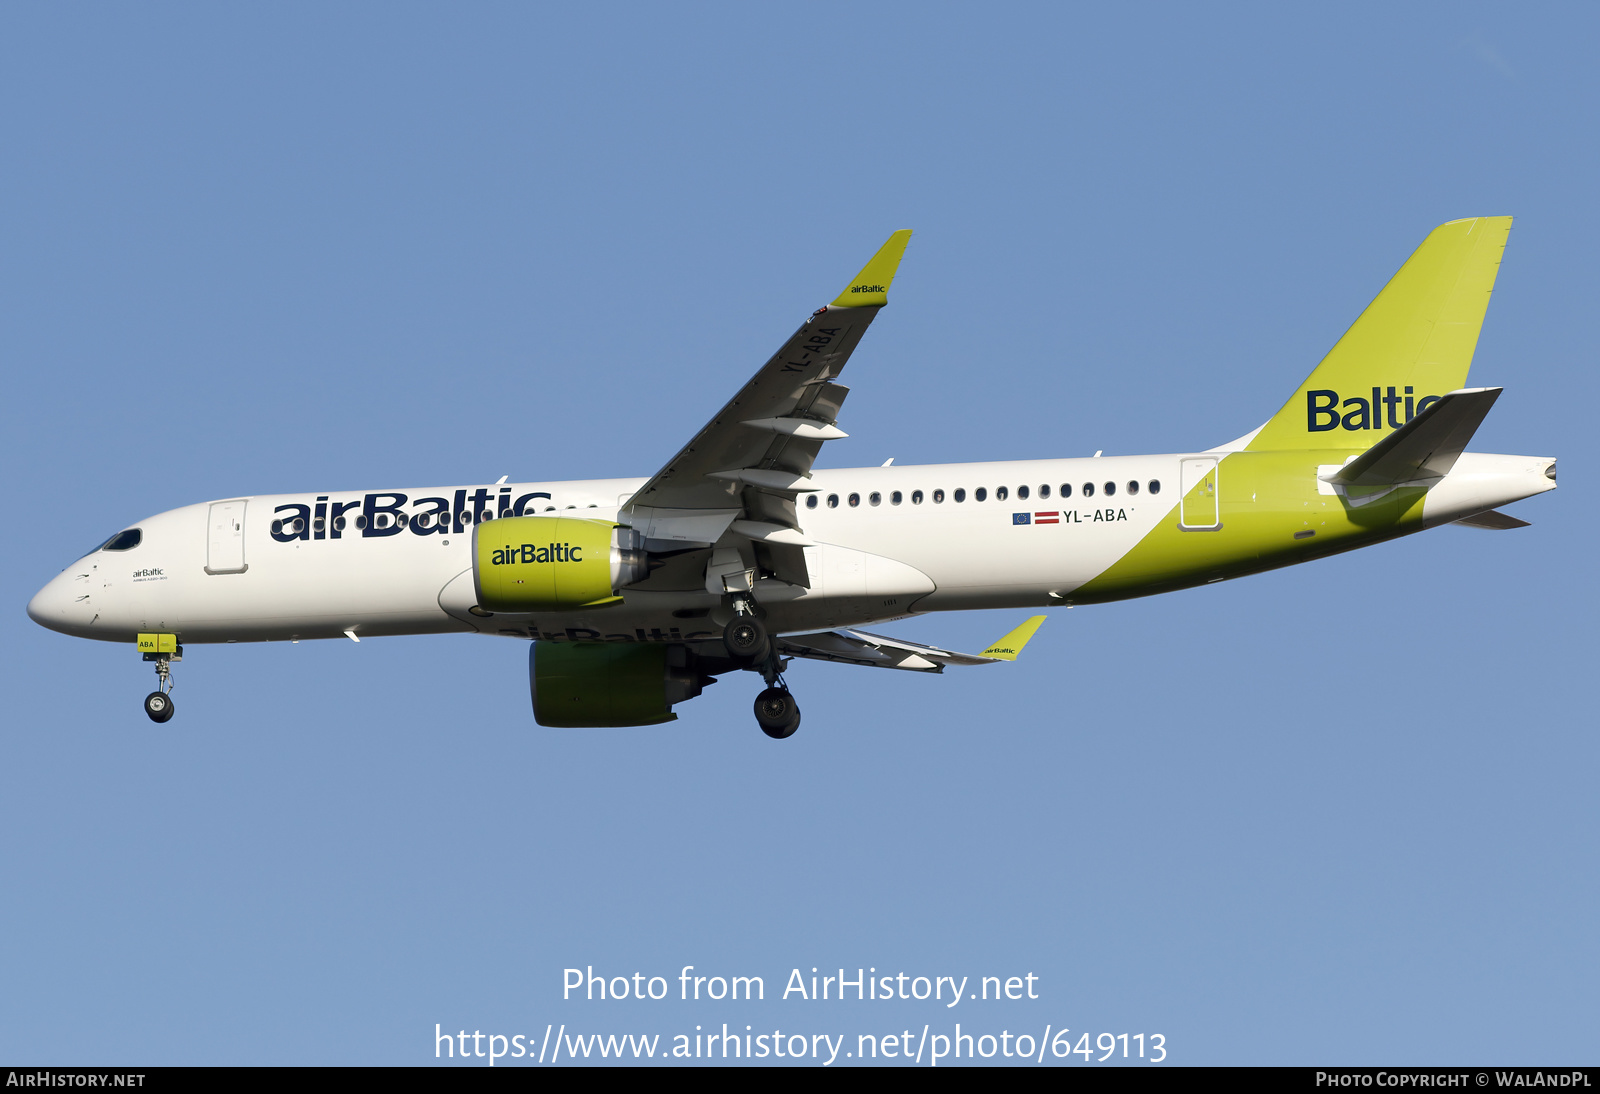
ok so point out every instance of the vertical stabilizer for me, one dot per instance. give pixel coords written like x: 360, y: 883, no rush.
x: 1410, y: 347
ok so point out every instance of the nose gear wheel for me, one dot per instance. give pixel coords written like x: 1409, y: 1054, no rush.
x: 158, y: 705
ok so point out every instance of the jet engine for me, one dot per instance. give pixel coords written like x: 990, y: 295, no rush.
x: 546, y: 564
x: 597, y: 684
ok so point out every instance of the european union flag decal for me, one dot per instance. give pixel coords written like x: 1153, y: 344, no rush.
x: 1021, y: 518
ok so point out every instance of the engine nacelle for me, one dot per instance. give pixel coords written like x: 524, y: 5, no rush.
x: 551, y: 564
x: 596, y: 684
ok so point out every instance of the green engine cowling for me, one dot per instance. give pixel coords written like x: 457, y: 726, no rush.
x: 552, y: 564
x: 607, y: 684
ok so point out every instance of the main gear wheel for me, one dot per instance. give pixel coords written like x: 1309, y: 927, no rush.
x: 777, y: 713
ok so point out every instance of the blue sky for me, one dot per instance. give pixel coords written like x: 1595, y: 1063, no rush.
x: 1342, y: 813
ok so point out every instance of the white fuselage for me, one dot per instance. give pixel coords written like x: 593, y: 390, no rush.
x: 1022, y: 534
x: 873, y: 560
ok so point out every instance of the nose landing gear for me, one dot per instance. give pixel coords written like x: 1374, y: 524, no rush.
x: 163, y: 649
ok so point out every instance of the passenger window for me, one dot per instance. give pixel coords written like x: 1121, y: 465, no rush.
x: 1133, y: 486
x: 1044, y: 491
x: 960, y: 494
x: 1088, y: 489
x: 811, y: 501
x: 895, y: 498
x: 874, y: 498
x: 980, y: 494
x: 855, y: 500
x: 399, y: 520
x: 916, y: 497
x: 361, y: 521
x: 938, y: 496
x: 833, y: 502
x: 380, y: 521
x: 1066, y: 490
x: 316, y: 525
x: 1111, y: 488
x: 338, y: 524
x: 1155, y: 486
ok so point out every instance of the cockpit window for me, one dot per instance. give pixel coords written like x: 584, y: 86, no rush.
x: 123, y: 541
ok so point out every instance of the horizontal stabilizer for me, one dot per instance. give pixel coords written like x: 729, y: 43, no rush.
x: 1423, y: 449
x: 1494, y: 520
x: 875, y: 650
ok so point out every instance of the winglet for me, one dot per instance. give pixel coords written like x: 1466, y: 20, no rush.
x: 1008, y: 647
x: 870, y: 289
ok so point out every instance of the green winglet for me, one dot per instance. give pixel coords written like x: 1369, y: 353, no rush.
x: 1008, y: 647
x: 870, y: 289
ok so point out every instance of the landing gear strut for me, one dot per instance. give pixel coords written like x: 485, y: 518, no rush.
x: 158, y: 704
x: 777, y: 713
x: 747, y: 640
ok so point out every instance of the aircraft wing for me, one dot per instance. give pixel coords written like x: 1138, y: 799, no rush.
x: 743, y: 471
x: 854, y: 647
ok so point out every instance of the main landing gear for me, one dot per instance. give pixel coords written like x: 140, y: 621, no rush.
x: 777, y: 713
x: 746, y: 637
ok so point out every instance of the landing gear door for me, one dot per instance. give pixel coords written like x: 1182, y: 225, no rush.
x: 225, y: 538
x: 1201, y: 509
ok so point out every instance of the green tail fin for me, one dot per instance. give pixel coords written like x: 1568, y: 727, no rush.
x: 1410, y: 347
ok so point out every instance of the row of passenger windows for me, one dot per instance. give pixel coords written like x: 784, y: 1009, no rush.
x: 1001, y: 493
x: 382, y: 520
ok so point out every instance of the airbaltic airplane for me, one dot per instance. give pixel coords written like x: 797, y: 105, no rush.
x: 739, y: 555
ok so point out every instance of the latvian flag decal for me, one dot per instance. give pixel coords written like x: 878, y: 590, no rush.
x: 1046, y: 518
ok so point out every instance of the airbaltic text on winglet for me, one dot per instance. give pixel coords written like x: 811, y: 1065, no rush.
x: 867, y: 288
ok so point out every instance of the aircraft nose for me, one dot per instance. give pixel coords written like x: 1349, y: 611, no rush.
x: 56, y: 606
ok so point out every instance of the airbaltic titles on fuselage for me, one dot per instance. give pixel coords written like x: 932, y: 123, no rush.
x: 382, y: 513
